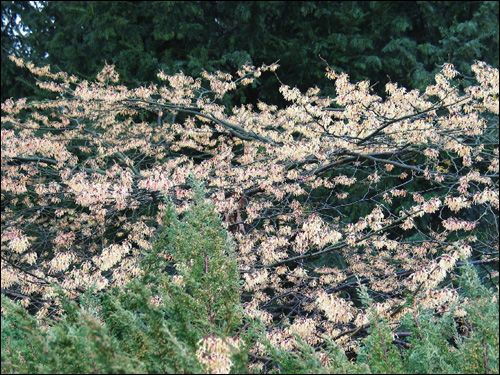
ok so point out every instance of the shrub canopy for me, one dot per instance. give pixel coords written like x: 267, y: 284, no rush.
x: 319, y: 196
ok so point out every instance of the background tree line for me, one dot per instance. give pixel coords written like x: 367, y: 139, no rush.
x: 404, y: 42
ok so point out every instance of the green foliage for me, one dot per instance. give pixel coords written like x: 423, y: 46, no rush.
x: 154, y: 323
x: 447, y: 343
x: 379, y: 352
x: 76, y: 344
x: 458, y: 345
x: 438, y: 343
x: 22, y: 339
x: 379, y: 40
x: 205, y: 260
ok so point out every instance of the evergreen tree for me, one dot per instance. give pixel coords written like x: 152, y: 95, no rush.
x: 154, y: 324
x: 380, y: 40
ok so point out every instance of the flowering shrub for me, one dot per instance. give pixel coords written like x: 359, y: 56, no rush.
x: 319, y: 196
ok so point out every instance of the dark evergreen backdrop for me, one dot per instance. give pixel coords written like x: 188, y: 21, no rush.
x: 401, y: 41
